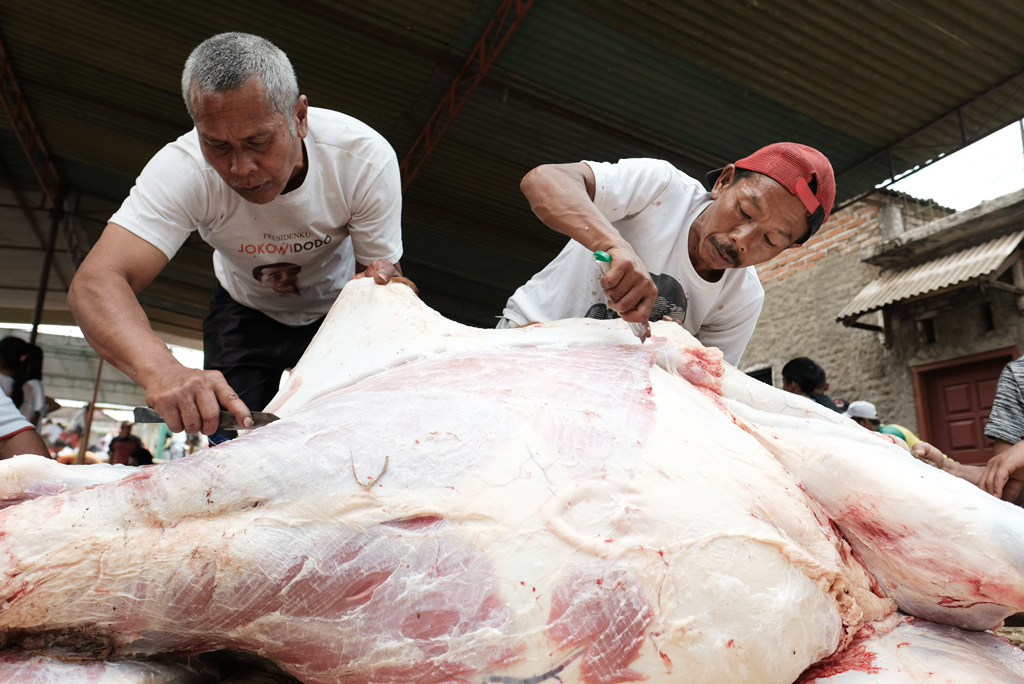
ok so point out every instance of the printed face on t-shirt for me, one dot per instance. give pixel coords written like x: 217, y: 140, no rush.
x: 283, y: 278
x: 251, y: 148
x: 671, y: 302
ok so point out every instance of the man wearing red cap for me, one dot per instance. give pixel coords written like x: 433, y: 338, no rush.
x: 677, y: 250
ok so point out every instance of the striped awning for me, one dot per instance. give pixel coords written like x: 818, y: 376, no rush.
x: 956, y: 270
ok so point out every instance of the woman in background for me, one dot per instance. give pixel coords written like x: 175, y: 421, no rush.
x: 34, y: 405
x: 21, y: 372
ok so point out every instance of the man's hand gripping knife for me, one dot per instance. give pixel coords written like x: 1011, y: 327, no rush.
x: 604, y: 262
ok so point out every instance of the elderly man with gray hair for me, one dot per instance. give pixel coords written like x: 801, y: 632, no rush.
x: 266, y: 179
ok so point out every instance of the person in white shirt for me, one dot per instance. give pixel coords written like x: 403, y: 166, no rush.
x: 266, y: 180
x: 17, y: 436
x: 677, y: 250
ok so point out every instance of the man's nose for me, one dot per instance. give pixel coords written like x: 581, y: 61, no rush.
x: 242, y: 163
x: 741, y: 235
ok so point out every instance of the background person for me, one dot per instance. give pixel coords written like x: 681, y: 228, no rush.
x: 865, y: 414
x: 1003, y: 475
x: 13, y: 367
x: 123, y: 447
x: 34, y: 405
x: 657, y: 223
x: 261, y: 175
x: 804, y: 377
x: 17, y: 435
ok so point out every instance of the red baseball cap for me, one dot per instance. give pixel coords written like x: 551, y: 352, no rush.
x: 802, y: 170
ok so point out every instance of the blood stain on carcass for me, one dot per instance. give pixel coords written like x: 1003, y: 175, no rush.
x: 419, y: 522
x: 703, y: 368
x: 856, y: 658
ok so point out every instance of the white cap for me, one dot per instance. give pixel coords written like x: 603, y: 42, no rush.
x: 861, y: 409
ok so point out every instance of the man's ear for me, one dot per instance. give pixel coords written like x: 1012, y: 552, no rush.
x: 300, y: 116
x: 726, y: 177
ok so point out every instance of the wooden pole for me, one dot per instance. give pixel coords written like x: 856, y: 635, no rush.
x: 84, y: 444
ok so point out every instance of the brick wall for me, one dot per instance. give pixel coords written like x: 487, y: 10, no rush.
x: 854, y: 228
x: 806, y: 288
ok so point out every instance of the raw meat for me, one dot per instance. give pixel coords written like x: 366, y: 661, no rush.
x: 446, y: 504
x: 28, y: 477
x: 919, y: 652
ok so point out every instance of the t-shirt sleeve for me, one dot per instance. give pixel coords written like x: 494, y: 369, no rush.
x: 1006, y: 421
x: 627, y: 187
x: 11, y: 420
x: 890, y: 430
x: 376, y: 223
x: 167, y: 201
x: 732, y: 333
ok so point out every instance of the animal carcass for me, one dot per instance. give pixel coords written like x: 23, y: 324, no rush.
x: 447, y: 504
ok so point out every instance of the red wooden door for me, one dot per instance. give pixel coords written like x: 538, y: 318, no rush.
x: 959, y: 399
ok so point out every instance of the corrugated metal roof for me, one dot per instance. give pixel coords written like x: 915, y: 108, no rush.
x: 696, y: 83
x: 955, y: 270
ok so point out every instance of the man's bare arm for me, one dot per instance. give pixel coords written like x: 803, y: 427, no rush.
x: 25, y: 442
x: 102, y: 299
x: 928, y: 453
x: 562, y: 197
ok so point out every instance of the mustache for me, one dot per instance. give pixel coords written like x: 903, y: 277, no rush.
x: 728, y: 250
x: 241, y: 185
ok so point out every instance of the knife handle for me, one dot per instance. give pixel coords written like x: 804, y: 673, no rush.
x: 604, y: 262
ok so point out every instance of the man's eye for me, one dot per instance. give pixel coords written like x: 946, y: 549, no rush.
x: 744, y: 214
x: 770, y: 243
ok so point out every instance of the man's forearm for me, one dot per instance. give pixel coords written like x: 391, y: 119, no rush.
x: 25, y: 442
x: 102, y: 299
x: 115, y: 325
x: 560, y: 198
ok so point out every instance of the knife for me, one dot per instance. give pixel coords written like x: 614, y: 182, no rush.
x: 144, y: 414
x: 604, y: 262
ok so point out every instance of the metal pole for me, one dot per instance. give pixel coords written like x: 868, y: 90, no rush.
x: 44, y: 278
x: 88, y: 417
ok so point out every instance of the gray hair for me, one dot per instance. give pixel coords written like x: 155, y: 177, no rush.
x: 228, y: 60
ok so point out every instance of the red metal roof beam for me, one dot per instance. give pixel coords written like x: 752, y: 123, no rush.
x: 503, y: 24
x: 25, y: 128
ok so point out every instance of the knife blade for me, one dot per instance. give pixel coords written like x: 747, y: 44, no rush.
x: 144, y: 414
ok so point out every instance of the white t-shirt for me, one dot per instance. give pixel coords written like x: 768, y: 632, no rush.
x: 34, y: 399
x: 11, y: 420
x: 652, y: 205
x: 352, y: 188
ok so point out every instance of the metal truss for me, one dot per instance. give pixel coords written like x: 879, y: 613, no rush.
x: 503, y: 24
x: 966, y: 123
x: 25, y: 129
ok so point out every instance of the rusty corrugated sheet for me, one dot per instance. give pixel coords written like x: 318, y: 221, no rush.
x: 954, y: 270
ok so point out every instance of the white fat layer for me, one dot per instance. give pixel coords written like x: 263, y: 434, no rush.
x: 559, y: 452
